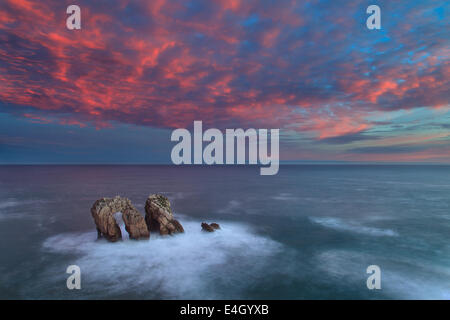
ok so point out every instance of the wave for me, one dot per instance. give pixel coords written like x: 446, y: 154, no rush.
x: 352, y: 226
x: 193, y: 265
x: 232, y: 207
x: 284, y: 197
x: 19, y: 209
x: 8, y: 203
x: 400, y: 278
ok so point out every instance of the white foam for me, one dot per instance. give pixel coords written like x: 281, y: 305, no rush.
x: 5, y: 206
x: 189, y: 265
x: 11, y: 208
x: 352, y: 226
x: 231, y: 208
x: 400, y: 279
x: 8, y: 204
x: 284, y: 197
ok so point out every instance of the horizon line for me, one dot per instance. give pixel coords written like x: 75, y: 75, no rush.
x: 286, y: 163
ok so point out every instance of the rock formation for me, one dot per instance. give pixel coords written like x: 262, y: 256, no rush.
x: 207, y: 227
x: 159, y: 216
x: 215, y: 226
x: 103, y: 212
x: 210, y: 227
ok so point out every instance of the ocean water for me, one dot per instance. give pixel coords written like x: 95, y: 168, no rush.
x: 309, y: 232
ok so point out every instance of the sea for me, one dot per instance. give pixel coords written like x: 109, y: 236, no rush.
x: 309, y: 232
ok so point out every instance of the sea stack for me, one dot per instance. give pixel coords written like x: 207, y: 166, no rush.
x: 159, y: 216
x: 103, y: 212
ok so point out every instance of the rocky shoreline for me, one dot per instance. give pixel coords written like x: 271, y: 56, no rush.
x: 158, y: 218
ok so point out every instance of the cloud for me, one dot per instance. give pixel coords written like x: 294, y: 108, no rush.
x: 344, y: 139
x: 309, y: 67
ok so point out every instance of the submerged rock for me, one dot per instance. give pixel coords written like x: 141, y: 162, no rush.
x: 159, y: 216
x: 215, y: 225
x: 103, y: 212
x: 207, y: 227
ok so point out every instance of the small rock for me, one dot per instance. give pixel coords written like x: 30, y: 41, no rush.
x: 215, y: 226
x: 207, y: 227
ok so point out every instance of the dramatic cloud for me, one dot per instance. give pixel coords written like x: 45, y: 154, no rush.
x: 312, y: 69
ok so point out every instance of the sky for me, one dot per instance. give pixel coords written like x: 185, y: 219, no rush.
x: 114, y: 91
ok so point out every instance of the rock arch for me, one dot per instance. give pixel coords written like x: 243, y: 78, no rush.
x: 103, y: 212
